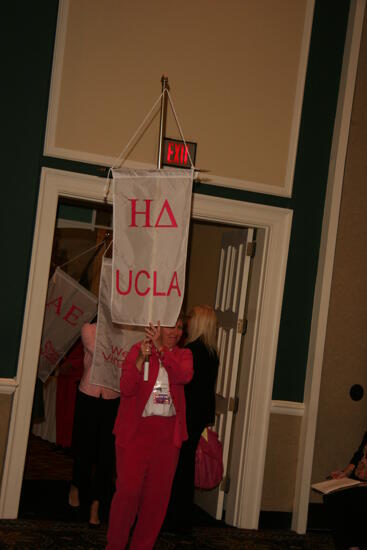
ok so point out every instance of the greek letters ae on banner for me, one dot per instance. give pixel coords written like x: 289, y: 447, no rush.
x: 68, y: 306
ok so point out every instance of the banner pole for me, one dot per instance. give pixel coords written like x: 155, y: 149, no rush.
x: 162, y: 125
x: 162, y: 121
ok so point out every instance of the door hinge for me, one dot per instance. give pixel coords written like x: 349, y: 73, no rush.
x: 242, y: 326
x: 233, y: 404
x: 251, y: 249
x: 225, y: 484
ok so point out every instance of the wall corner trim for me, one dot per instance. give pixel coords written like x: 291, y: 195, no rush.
x: 8, y: 386
x: 326, y: 264
x: 292, y: 408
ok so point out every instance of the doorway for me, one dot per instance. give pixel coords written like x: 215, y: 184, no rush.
x: 276, y: 224
x: 82, y: 233
x: 78, y: 246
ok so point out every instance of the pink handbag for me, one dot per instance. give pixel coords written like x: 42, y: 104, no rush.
x: 208, y: 460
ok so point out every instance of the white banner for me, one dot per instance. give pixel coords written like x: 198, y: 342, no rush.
x: 112, y: 341
x: 151, y: 225
x: 68, y: 306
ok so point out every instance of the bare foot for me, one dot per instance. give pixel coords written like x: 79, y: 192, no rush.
x: 74, y: 496
x: 94, y: 517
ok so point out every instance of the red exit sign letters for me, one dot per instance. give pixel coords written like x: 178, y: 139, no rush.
x: 177, y: 154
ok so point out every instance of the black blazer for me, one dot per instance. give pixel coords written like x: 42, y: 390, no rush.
x: 200, y: 391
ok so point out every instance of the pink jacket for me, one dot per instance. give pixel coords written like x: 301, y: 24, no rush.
x: 135, y: 392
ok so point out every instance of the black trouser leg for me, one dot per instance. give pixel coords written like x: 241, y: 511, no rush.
x: 84, y: 444
x: 104, y: 474
x: 180, y: 509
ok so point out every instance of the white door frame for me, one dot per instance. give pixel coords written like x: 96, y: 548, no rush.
x: 277, y: 224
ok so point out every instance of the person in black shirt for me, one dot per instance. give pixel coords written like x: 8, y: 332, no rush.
x: 200, y: 413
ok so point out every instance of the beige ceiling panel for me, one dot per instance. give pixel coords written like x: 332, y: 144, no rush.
x: 236, y: 73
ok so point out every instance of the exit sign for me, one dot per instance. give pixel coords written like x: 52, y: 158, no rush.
x: 175, y: 153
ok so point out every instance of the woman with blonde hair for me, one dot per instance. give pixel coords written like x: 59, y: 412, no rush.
x: 200, y: 412
x: 202, y: 323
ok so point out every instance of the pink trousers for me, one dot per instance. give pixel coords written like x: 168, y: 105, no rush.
x: 145, y: 471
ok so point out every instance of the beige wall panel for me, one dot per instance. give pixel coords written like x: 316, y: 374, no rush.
x: 342, y: 421
x: 233, y: 68
x: 281, y: 463
x: 5, y: 410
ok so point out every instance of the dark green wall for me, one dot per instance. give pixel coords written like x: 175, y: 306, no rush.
x: 311, y: 173
x: 28, y: 31
x: 30, y: 37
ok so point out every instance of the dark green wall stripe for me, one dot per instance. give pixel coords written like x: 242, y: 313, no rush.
x: 312, y: 164
x: 28, y: 30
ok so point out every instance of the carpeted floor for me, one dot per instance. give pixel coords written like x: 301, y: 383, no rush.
x: 46, y: 522
x: 46, y: 460
x: 57, y: 535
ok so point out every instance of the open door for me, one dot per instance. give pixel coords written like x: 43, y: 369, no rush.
x: 232, y: 286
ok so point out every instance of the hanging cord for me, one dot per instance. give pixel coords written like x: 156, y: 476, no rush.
x: 83, y: 279
x: 107, y: 248
x: 179, y: 127
x: 83, y: 253
x: 120, y: 159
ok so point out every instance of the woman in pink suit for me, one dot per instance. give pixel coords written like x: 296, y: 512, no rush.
x: 149, y: 431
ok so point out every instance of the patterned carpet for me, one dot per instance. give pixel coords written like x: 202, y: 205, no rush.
x: 45, y: 460
x: 43, y: 534
x: 46, y: 522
